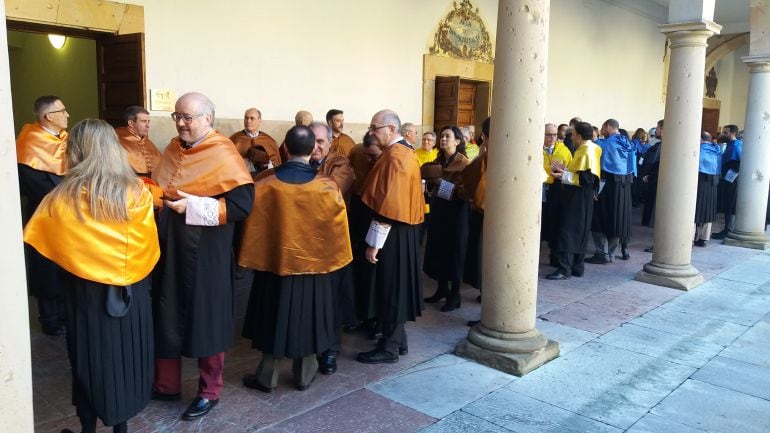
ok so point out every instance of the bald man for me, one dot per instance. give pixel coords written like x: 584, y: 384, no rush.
x: 259, y: 149
x: 207, y: 189
x: 303, y: 118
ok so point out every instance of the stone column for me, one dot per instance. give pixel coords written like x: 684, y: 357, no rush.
x: 15, y: 365
x: 678, y: 175
x: 506, y: 338
x: 750, y: 211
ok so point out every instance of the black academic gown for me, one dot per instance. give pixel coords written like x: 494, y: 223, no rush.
x: 193, y: 298
x: 650, y: 168
x: 577, y: 205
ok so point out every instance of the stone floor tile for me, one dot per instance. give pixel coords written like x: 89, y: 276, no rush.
x: 602, y: 382
x: 461, y: 422
x: 752, y: 347
x: 722, y: 305
x: 684, y: 350
x: 736, y: 375
x: 567, y: 337
x: 622, y: 302
x: 442, y: 385
x: 654, y: 424
x: 360, y: 412
x: 747, y: 273
x: 647, y: 291
x: 587, y: 318
x: 676, y: 322
x: 719, y: 284
x: 522, y: 414
x: 715, y: 409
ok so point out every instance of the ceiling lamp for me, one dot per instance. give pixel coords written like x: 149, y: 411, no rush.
x: 57, y: 40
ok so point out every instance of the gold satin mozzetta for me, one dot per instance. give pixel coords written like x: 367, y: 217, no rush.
x: 394, y: 187
x: 313, y: 227
x: 338, y: 168
x: 143, y: 155
x: 210, y: 168
x: 587, y: 157
x: 342, y: 144
x: 40, y: 150
x: 474, y: 182
x: 115, y: 253
x: 362, y: 164
x: 243, y: 143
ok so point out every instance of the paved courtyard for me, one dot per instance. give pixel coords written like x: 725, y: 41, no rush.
x: 634, y: 358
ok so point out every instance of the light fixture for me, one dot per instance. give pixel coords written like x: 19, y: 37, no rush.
x: 57, y: 40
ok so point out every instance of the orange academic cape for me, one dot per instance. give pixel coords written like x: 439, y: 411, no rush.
x: 361, y: 164
x: 338, y: 168
x: 42, y: 151
x: 394, y: 188
x: 211, y: 168
x: 474, y: 183
x: 296, y: 229
x: 143, y: 155
x: 342, y: 144
x: 243, y: 143
x: 114, y: 253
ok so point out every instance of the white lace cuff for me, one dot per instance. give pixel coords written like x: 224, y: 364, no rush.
x: 445, y: 190
x: 570, y: 178
x: 202, y: 211
x: 377, y: 234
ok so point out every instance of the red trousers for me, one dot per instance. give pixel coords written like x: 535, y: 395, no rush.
x: 168, y: 376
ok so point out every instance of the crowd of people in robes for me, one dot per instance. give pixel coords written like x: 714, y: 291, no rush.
x: 133, y: 253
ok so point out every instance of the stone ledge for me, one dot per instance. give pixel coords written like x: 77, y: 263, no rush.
x: 517, y: 364
x: 679, y: 283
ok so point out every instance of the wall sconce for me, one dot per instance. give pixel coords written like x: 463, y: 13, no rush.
x: 57, y: 40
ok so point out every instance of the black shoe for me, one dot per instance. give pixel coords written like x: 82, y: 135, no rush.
x: 377, y: 356
x: 625, y: 255
x: 577, y: 274
x: 452, y: 303
x: 557, y: 276
x: 701, y: 243
x: 597, y: 260
x: 472, y: 323
x: 720, y: 235
x: 306, y: 387
x: 165, y: 397
x: 53, y: 330
x: 199, y: 408
x: 439, y: 295
x: 648, y: 250
x: 251, y: 381
x: 328, y: 363
x: 403, y: 350
x: 66, y: 430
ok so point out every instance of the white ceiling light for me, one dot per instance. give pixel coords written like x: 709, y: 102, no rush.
x: 57, y: 40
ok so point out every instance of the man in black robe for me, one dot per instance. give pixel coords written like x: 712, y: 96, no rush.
x: 728, y: 186
x: 649, y: 175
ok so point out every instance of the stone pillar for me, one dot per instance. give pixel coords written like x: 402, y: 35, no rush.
x: 506, y: 338
x: 678, y: 175
x: 750, y: 211
x: 15, y: 364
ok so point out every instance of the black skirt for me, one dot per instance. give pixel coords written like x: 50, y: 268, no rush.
x: 706, y: 203
x: 359, y: 218
x: 111, y: 357
x: 345, y: 296
x: 447, y: 240
x: 472, y: 272
x: 291, y: 316
x: 728, y: 196
x: 397, y: 286
x: 612, y: 212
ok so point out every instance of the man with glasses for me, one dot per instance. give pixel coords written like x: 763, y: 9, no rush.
x: 341, y: 142
x: 207, y: 188
x: 143, y: 155
x: 551, y: 209
x: 41, y: 154
x: 393, y: 193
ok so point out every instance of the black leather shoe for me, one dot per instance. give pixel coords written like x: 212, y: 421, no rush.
x: 439, y: 295
x: 701, y: 243
x: 720, y: 235
x: 577, y: 274
x: 199, y: 408
x: 377, y: 356
x: 597, y: 260
x: 557, y: 276
x: 53, y: 330
x: 328, y: 363
x: 472, y: 323
x: 251, y: 381
x: 648, y: 250
x: 165, y: 397
x: 451, y: 304
x: 625, y: 255
x: 403, y: 350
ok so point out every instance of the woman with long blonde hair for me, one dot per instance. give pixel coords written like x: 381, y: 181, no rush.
x: 98, y: 225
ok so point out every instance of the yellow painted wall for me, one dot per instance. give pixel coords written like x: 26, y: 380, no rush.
x: 37, y: 68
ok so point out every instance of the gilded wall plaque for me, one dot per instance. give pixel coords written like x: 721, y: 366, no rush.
x: 462, y: 34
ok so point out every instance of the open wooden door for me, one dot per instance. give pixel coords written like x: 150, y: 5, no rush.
x: 120, y: 75
x: 447, y: 102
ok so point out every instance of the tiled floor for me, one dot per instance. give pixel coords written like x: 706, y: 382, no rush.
x: 634, y: 357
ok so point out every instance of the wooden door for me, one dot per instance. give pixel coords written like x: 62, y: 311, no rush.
x: 447, y: 101
x: 710, y: 121
x: 120, y: 75
x: 466, y: 100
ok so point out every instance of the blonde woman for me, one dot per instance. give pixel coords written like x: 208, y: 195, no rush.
x: 98, y: 225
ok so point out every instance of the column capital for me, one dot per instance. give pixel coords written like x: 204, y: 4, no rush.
x: 684, y: 34
x: 757, y: 63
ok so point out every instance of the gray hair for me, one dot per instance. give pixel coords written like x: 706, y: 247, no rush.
x: 431, y: 133
x: 406, y: 126
x: 389, y: 117
x: 205, y: 104
x: 325, y: 126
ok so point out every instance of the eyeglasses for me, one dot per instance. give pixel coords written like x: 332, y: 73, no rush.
x: 63, y: 110
x: 552, y: 135
x: 187, y: 118
x: 375, y: 127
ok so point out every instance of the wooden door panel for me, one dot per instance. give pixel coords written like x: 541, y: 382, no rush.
x: 445, y: 108
x: 710, y: 121
x: 120, y: 74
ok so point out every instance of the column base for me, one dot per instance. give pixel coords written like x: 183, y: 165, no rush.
x: 681, y: 277
x: 753, y: 240
x: 516, y: 354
